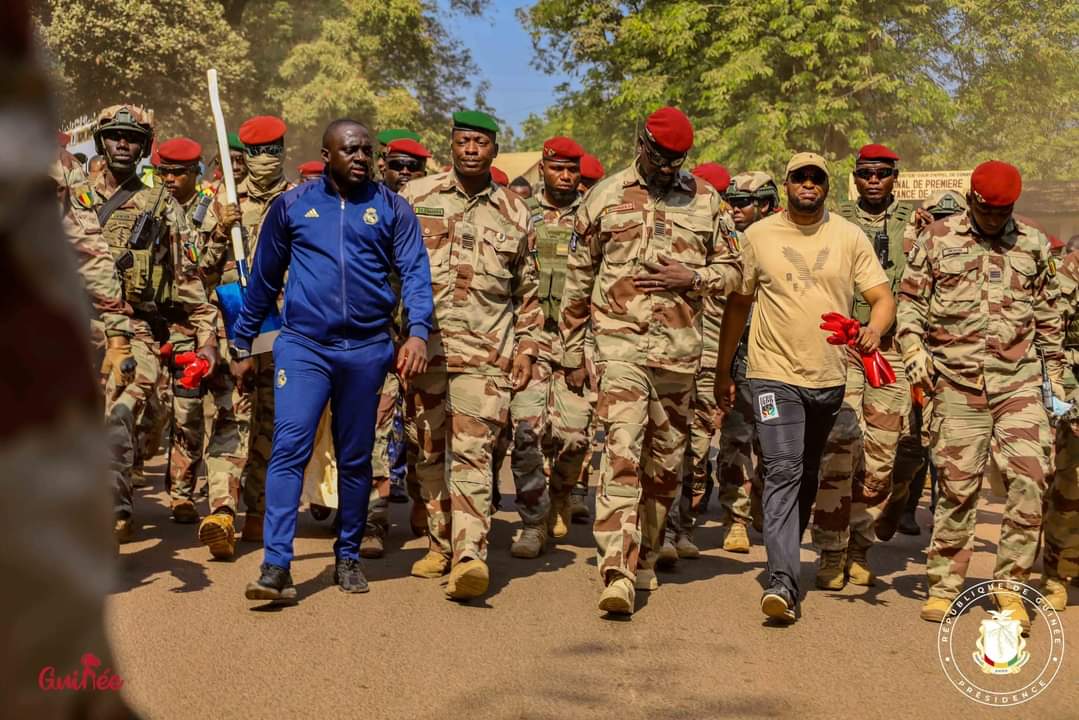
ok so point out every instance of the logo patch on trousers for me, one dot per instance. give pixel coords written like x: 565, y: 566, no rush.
x: 281, y: 379
x: 767, y: 403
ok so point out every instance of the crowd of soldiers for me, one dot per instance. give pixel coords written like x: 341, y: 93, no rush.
x: 591, y: 305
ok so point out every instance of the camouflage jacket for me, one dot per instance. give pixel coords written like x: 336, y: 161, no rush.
x: 619, y: 227
x: 982, y: 308
x: 176, y: 278
x: 216, y: 263
x: 895, y: 221
x: 483, y: 274
x: 93, y: 258
x: 554, y: 227
x: 1068, y: 278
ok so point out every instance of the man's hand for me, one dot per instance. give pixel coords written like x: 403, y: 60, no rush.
x: 209, y: 352
x: 119, y: 362
x: 243, y: 372
x: 725, y: 392
x: 522, y: 372
x: 919, y: 367
x: 666, y: 275
x: 411, y: 359
x: 868, y: 340
x: 922, y: 219
x: 576, y: 378
x: 230, y: 215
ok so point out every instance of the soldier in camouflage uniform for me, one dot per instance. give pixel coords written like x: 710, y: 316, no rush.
x: 856, y: 471
x: 479, y: 239
x: 977, y: 305
x: 534, y: 410
x: 158, y: 279
x: 647, y: 246
x: 1060, y: 558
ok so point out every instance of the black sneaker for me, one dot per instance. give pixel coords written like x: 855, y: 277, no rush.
x: 348, y: 575
x: 274, y: 584
x: 778, y: 604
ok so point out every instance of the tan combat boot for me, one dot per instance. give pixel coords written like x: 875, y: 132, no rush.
x: 737, y: 540
x: 686, y: 548
x: 468, y: 579
x: 558, y: 520
x: 252, y: 531
x: 646, y: 580
x: 667, y: 556
x: 858, y: 571
x: 1055, y: 592
x: 530, y: 542
x: 1012, y: 602
x: 618, y: 597
x: 217, y: 532
x: 432, y: 565
x: 184, y: 512
x: 124, y: 530
x: 372, y: 546
x: 935, y: 609
x: 830, y: 571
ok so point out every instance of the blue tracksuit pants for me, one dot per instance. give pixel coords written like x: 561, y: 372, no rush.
x: 307, y: 375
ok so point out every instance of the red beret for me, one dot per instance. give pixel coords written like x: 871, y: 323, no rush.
x: 671, y: 129
x: 155, y: 157
x: 63, y: 138
x: 876, y: 151
x: 179, y: 151
x: 996, y: 183
x: 591, y: 167
x: 408, y: 146
x: 499, y: 177
x: 563, y: 147
x: 262, y: 129
x: 311, y: 167
x: 714, y: 174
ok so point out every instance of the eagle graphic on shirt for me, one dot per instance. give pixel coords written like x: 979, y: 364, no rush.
x: 803, y: 272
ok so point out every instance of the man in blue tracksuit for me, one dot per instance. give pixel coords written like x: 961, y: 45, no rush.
x: 339, y: 238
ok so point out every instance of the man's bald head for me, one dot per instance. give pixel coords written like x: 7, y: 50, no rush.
x: 338, y: 126
x: 347, y: 152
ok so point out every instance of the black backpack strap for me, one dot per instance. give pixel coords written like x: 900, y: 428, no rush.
x: 121, y: 196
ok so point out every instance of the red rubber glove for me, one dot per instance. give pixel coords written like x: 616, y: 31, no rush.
x: 878, y: 372
x: 195, y: 368
x: 845, y: 332
x: 165, y: 352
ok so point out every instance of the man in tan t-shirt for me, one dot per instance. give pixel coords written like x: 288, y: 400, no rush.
x: 798, y: 265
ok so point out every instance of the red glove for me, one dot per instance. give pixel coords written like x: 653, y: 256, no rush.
x: 837, y: 325
x: 845, y: 332
x: 195, y: 368
x: 877, y: 370
x: 165, y: 352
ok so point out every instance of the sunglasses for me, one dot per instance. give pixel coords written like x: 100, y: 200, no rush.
x: 867, y: 173
x: 816, y: 175
x: 275, y: 149
x: 657, y: 158
x: 741, y: 202
x: 398, y: 165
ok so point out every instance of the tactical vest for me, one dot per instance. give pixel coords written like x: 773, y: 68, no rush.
x: 1071, y: 330
x: 552, y: 251
x: 897, y: 259
x: 148, y: 277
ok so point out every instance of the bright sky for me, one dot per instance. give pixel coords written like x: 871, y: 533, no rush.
x: 503, y: 51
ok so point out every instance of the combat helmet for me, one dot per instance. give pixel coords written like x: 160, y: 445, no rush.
x: 943, y: 203
x: 757, y: 185
x: 124, y: 117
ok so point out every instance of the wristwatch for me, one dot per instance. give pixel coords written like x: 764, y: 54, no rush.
x: 697, y: 281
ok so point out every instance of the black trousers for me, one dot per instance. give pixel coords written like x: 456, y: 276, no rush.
x: 793, y: 424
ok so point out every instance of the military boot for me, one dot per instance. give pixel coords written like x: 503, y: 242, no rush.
x: 559, y: 519
x: 530, y: 542
x: 372, y: 545
x: 184, y: 512
x: 1011, y: 601
x: 667, y: 556
x: 124, y: 530
x: 216, y: 531
x: 578, y: 509
x: 138, y: 478
x: 252, y: 531
x: 737, y: 540
x: 618, y: 597
x: 468, y: 579
x: 858, y: 571
x: 831, y: 574
x: 1055, y: 592
x: 685, y: 547
x: 432, y: 565
x: 319, y: 512
x: 935, y: 609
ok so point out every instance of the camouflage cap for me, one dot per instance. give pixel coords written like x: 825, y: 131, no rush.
x: 124, y: 117
x: 943, y: 203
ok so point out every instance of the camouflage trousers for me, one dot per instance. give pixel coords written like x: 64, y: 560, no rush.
x: 966, y: 425
x: 225, y: 452
x: 1061, y: 522
x: 739, y: 457
x: 646, y: 413
x: 256, y: 433
x: 378, y: 507
x: 525, y: 430
x: 123, y: 407
x: 568, y: 441
x: 696, y: 464
x: 860, y: 457
x: 152, y: 424
x: 454, y: 421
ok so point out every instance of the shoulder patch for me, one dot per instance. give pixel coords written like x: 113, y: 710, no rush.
x: 83, y: 196
x: 429, y: 211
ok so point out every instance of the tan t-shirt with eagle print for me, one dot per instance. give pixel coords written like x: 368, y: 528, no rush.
x: 798, y: 273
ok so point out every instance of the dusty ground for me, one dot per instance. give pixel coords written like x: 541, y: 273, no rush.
x: 189, y: 645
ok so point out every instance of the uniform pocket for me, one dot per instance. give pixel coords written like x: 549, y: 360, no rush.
x: 622, y: 237
x: 689, y: 237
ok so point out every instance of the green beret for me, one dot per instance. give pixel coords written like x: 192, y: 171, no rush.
x: 234, y: 142
x: 388, y: 136
x: 475, y: 120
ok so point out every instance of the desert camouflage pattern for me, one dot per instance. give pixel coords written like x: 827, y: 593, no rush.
x: 738, y: 458
x: 454, y: 420
x: 982, y: 308
x: 646, y: 413
x: 568, y: 443
x: 619, y: 227
x: 483, y: 275
x: 522, y: 437
x: 378, y: 506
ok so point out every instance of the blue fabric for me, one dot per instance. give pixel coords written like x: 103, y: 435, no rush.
x: 339, y: 254
x: 307, y: 375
